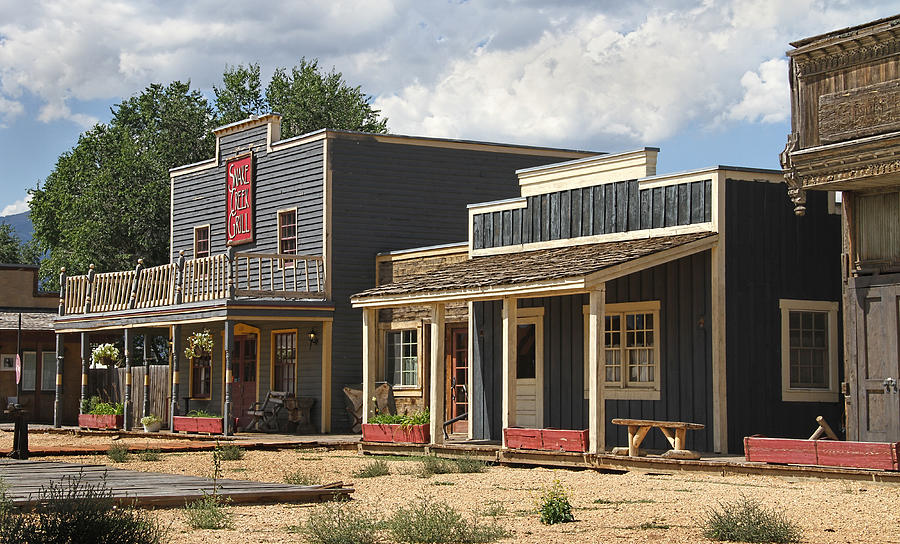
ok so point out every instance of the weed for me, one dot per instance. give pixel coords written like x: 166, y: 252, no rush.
x: 339, y: 523
x: 443, y: 483
x: 373, y: 470
x: 554, y: 505
x: 149, y: 455
x: 298, y: 477
x: 118, y: 453
x: 230, y: 452
x: 494, y: 509
x: 208, y: 513
x: 427, y: 520
x: 746, y: 520
x: 432, y: 465
x: 652, y: 525
x: 623, y: 501
x: 469, y: 464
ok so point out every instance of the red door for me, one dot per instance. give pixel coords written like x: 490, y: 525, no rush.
x: 457, y: 378
x: 243, y: 388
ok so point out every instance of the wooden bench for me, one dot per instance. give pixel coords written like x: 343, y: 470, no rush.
x: 265, y: 414
x: 674, y: 432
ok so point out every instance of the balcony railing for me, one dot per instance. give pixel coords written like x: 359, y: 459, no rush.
x: 223, y: 276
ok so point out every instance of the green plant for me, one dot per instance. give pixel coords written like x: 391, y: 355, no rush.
x: 230, y: 452
x: 746, y: 520
x: 88, y: 405
x: 427, y: 520
x: 150, y: 420
x: 340, y: 523
x: 432, y: 465
x: 71, y: 510
x: 468, y: 464
x: 298, y: 477
x: 107, y: 409
x: 199, y: 344
x: 652, y: 525
x: 149, y: 455
x: 105, y: 354
x: 208, y: 513
x: 373, y: 470
x: 420, y: 417
x: 118, y: 453
x: 201, y: 413
x: 554, y: 505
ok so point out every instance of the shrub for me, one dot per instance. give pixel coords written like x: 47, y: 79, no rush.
x: 74, y: 511
x: 118, y: 453
x: 420, y: 417
x: 432, y: 465
x: 298, y: 477
x: 554, y: 505
x: 107, y: 409
x: 374, y: 469
x: 150, y: 420
x: 201, y: 413
x: 437, y: 522
x: 469, y: 464
x: 208, y: 513
x: 341, y: 523
x: 746, y: 520
x: 149, y: 455
x: 230, y: 452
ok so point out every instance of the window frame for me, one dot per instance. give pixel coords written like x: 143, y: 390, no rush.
x: 809, y: 394
x: 191, y: 378
x: 416, y: 328
x: 282, y: 263
x: 34, y: 385
x: 626, y: 390
x: 208, y: 228
x: 47, y: 387
x: 272, y: 367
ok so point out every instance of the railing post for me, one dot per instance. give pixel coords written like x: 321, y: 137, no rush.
x: 134, y: 283
x: 179, y: 278
x: 129, y: 356
x: 57, y: 400
x: 231, y: 273
x: 85, y: 365
x: 176, y: 356
x: 62, y: 291
x: 89, y: 292
x: 146, y: 407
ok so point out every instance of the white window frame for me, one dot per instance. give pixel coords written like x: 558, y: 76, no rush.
x: 626, y: 390
x: 35, y: 377
x: 804, y: 394
x: 285, y: 263
x: 416, y: 327
x: 208, y: 228
x: 51, y: 355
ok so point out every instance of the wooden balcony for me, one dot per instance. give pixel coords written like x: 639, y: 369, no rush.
x: 218, y: 277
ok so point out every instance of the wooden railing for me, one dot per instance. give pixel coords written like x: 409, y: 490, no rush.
x: 216, y: 277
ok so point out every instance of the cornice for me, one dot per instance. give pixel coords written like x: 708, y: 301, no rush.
x: 834, y: 58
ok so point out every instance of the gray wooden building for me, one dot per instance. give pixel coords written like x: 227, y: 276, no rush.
x: 604, y: 290
x: 268, y: 240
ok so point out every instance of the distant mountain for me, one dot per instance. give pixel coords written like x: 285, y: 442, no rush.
x: 21, y: 223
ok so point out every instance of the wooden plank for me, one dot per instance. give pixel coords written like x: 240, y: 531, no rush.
x: 872, y: 455
x: 780, y: 450
x: 576, y: 213
x: 634, y: 205
x: 506, y: 227
x: 621, y: 206
x: 565, y: 214
x: 684, y: 204
x: 478, y: 230
x: 599, y: 200
x: 554, y: 216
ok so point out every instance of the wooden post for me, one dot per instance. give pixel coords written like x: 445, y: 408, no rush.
x: 134, y: 283
x: 597, y: 368
x: 437, y: 374
x: 62, y: 291
x: 85, y: 365
x: 229, y: 376
x: 146, y: 408
x: 370, y: 361
x: 89, y: 292
x: 129, y: 355
x: 326, y: 376
x: 510, y: 356
x: 232, y: 280
x: 60, y: 358
x: 179, y: 278
x: 176, y: 357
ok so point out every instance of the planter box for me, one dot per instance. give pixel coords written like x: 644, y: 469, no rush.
x: 829, y: 453
x: 92, y: 421
x: 780, y: 450
x: 564, y: 440
x: 211, y: 425
x: 519, y: 438
x: 413, y: 434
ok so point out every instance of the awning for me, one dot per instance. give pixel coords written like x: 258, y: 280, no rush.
x: 31, y: 321
x: 540, y: 272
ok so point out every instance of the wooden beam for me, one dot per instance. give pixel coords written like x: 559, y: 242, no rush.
x: 597, y: 363
x: 510, y: 355
x: 437, y: 374
x: 370, y: 361
x: 717, y: 298
x: 326, y: 376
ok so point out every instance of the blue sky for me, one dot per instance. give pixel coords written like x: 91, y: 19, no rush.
x: 706, y: 81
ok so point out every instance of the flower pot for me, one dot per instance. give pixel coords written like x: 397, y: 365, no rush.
x: 152, y: 427
x: 374, y: 432
x: 212, y: 425
x: 519, y: 438
x: 564, y: 440
x: 411, y: 434
x: 95, y: 421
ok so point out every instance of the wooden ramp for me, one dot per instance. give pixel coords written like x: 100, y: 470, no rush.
x: 25, y: 479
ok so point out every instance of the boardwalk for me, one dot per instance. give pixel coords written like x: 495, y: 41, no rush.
x: 25, y: 479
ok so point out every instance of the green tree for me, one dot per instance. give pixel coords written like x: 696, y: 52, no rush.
x: 10, y: 245
x: 240, y: 95
x: 106, y: 201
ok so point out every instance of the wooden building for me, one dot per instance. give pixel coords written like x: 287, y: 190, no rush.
x: 845, y: 136
x: 605, y: 290
x: 26, y: 329
x: 268, y: 240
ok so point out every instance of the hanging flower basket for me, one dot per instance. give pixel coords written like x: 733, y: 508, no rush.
x: 105, y: 354
x: 199, y: 344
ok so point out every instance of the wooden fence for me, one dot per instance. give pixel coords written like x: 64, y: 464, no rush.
x: 109, y: 384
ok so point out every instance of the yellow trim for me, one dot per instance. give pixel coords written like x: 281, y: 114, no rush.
x: 84, y: 379
x: 296, y: 358
x: 58, y: 379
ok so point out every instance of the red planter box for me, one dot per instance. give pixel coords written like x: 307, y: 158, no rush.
x: 92, y: 421
x: 413, y: 434
x: 829, y: 453
x: 526, y: 439
x: 780, y: 450
x: 564, y: 440
x: 211, y: 425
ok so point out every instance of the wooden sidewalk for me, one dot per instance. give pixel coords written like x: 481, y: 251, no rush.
x: 26, y: 479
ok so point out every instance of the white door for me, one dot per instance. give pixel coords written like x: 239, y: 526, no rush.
x: 529, y: 373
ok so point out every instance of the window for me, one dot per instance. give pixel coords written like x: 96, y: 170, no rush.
x: 29, y: 370
x: 631, y: 338
x: 284, y: 364
x: 201, y: 368
x: 48, y: 371
x: 201, y: 241
x: 402, y: 358
x: 287, y: 232
x: 809, y: 351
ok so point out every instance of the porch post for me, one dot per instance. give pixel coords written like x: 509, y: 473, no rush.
x: 176, y: 354
x: 510, y: 355
x: 596, y: 364
x: 437, y: 374
x: 146, y: 408
x: 326, y: 377
x: 85, y: 366
x: 129, y: 355
x: 60, y: 357
x: 229, y: 376
x: 370, y: 361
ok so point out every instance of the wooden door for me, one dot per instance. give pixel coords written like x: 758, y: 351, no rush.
x: 243, y: 388
x: 874, y: 343
x: 529, y: 374
x: 457, y: 389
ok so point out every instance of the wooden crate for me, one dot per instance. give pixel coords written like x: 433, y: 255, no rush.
x: 526, y: 439
x: 212, y: 425
x: 564, y: 440
x: 414, y: 434
x: 876, y: 455
x: 780, y: 450
x: 373, y: 432
x: 94, y: 421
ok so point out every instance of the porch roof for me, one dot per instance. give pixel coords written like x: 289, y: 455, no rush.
x: 31, y: 320
x: 549, y: 271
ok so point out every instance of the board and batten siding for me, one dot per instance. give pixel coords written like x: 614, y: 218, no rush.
x: 288, y: 178
x: 682, y: 287
x: 394, y: 195
x: 772, y: 254
x: 600, y: 209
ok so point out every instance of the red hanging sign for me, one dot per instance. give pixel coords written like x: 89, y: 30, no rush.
x: 239, y: 207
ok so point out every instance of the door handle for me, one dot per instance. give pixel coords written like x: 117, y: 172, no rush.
x: 889, y: 383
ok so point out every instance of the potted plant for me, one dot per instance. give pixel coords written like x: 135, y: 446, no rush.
x: 409, y: 428
x: 151, y: 423
x: 199, y: 344
x: 101, y: 415
x: 105, y: 354
x: 198, y: 421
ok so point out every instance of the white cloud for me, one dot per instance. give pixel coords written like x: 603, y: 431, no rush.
x: 766, y: 96
x: 18, y: 206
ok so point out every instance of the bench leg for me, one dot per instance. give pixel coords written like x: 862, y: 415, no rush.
x: 669, y: 436
x: 679, y: 438
x: 635, y: 437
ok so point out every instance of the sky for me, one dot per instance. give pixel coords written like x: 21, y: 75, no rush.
x: 705, y: 81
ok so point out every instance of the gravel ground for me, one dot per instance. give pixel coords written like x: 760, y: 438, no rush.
x: 608, y: 507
